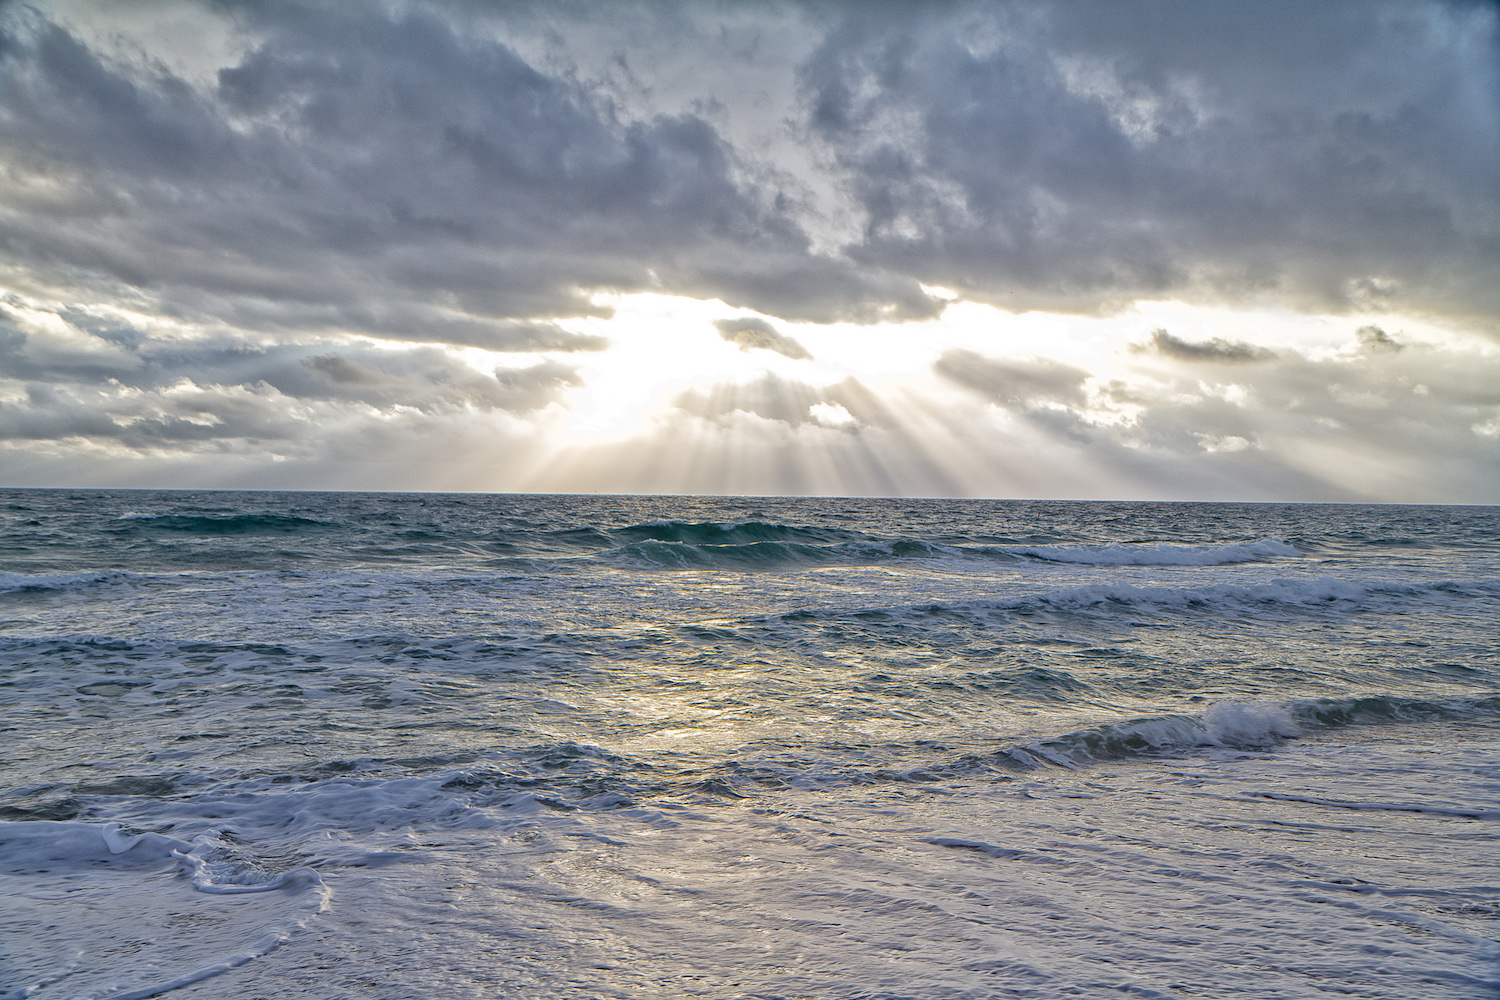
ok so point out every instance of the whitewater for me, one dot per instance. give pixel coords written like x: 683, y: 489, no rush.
x: 335, y: 745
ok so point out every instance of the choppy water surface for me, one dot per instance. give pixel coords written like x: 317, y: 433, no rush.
x: 340, y: 745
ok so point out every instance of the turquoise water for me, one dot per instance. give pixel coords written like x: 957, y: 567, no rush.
x: 339, y: 745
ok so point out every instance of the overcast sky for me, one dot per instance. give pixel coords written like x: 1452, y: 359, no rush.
x: 1156, y: 250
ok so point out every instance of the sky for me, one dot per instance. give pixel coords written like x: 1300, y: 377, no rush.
x: 1194, y: 251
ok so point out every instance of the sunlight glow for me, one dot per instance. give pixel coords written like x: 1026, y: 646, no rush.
x: 662, y: 346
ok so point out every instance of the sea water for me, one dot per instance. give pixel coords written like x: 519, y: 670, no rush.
x: 357, y: 745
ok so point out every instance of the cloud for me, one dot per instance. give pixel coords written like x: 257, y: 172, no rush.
x: 845, y: 405
x: 292, y: 244
x: 82, y: 380
x: 1079, y: 155
x: 465, y: 174
x: 750, y: 333
x: 1019, y: 384
x: 1373, y: 339
x: 1349, y: 425
x: 1215, y: 349
x: 402, y: 173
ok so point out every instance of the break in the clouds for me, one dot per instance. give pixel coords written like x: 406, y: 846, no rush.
x: 1019, y: 249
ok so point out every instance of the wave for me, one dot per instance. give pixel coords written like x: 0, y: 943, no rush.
x: 40, y: 844
x: 569, y: 776
x: 764, y: 555
x: 171, y: 952
x: 1288, y: 595
x: 730, y: 533
x: 1238, y: 725
x: 1263, y: 550
x: 678, y: 555
x: 752, y: 545
x: 228, y: 524
x: 12, y: 583
x: 1370, y: 710
x: 1290, y: 591
x: 1411, y: 807
x: 500, y: 788
x: 212, y: 866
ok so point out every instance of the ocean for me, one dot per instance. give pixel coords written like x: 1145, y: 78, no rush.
x: 329, y: 745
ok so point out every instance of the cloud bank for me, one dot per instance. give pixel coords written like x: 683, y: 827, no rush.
x: 295, y: 243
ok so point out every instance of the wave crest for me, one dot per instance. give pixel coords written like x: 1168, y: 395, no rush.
x: 1238, y: 725
x: 729, y: 532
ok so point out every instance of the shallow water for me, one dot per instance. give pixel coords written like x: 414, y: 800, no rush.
x: 386, y: 745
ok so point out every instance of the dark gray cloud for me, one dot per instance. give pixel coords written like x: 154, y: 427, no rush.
x: 1073, y: 155
x: 397, y: 172
x: 751, y: 333
x: 406, y: 171
x: 78, y: 377
x: 1215, y: 349
x: 1373, y: 338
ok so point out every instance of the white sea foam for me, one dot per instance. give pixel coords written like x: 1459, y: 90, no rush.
x: 1244, y: 725
x: 1249, y: 724
x: 44, y: 845
x: 72, y: 883
x: 1055, y: 871
x: 498, y: 791
x: 27, y: 846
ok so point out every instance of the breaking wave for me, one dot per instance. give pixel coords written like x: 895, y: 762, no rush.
x: 1239, y: 725
x: 479, y: 791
